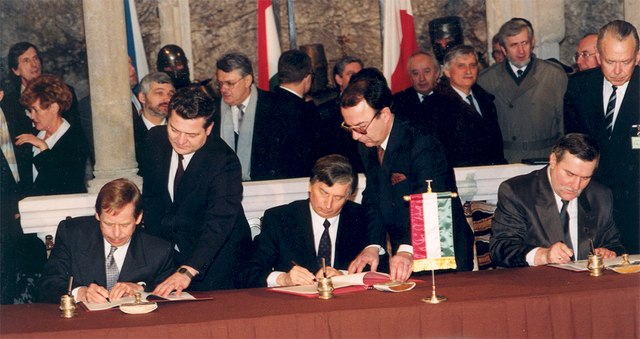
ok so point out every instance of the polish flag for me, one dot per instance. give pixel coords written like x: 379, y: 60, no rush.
x: 399, y: 43
x: 268, y: 44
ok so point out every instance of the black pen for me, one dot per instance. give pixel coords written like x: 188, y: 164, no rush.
x: 107, y: 297
x: 296, y: 264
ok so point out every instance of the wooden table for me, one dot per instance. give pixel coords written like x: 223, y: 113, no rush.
x: 525, y: 302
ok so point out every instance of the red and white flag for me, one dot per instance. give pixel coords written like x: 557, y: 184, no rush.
x: 268, y: 44
x: 399, y: 43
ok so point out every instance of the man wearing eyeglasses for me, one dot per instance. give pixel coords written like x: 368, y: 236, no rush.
x: 397, y: 162
x: 603, y: 102
x: 585, y: 57
x: 245, y: 122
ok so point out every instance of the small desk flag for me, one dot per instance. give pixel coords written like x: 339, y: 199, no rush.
x: 432, y: 231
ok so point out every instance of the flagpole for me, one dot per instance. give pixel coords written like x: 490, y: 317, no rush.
x: 435, y: 299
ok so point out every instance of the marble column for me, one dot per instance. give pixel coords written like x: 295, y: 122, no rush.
x: 546, y: 16
x: 175, y: 26
x: 104, y: 24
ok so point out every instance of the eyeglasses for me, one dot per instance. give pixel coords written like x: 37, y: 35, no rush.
x: 583, y: 54
x: 358, y: 129
x: 228, y: 84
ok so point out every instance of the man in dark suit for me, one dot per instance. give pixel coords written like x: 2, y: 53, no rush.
x: 193, y: 194
x: 156, y: 90
x: 465, y: 118
x: 549, y: 216
x: 246, y: 122
x: 603, y: 102
x: 289, y: 247
x: 414, y: 103
x: 397, y: 162
x: 298, y: 117
x: 105, y: 255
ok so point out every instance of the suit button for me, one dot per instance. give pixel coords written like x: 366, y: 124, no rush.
x: 510, y: 105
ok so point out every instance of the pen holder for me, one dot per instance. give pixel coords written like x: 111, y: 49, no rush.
x: 595, y: 265
x: 325, y: 288
x: 67, y: 306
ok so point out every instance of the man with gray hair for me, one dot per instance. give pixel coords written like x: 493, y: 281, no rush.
x: 603, y: 102
x: 295, y: 237
x: 529, y: 93
x: 465, y: 118
x: 245, y: 121
x: 156, y: 90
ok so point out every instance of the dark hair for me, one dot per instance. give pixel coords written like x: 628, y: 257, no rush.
x: 17, y: 50
x: 513, y: 27
x: 338, y: 68
x: 333, y: 168
x: 456, y: 52
x: 581, y: 145
x: 116, y: 194
x: 619, y: 29
x: 293, y: 66
x: 48, y: 89
x: 157, y: 77
x: 235, y: 62
x: 193, y: 102
x: 369, y: 84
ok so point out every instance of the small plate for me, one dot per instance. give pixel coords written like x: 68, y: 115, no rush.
x: 625, y: 269
x: 141, y: 308
x: 395, y: 286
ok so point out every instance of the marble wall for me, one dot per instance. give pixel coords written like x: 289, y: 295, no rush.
x: 219, y: 26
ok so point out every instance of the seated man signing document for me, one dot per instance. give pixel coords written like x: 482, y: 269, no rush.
x: 550, y: 216
x: 295, y: 237
x: 106, y: 256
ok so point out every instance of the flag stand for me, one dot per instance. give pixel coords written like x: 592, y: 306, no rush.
x: 434, y: 299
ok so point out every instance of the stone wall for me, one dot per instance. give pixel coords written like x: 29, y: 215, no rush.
x: 56, y: 27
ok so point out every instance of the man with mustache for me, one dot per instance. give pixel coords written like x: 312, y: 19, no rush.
x: 156, y: 90
x: 551, y: 215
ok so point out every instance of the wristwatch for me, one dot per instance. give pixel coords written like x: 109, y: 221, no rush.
x: 186, y: 272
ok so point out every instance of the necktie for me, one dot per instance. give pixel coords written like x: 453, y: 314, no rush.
x: 324, y: 249
x: 112, y: 269
x: 179, y: 174
x: 240, y: 117
x: 380, y: 155
x: 240, y: 112
x: 564, y: 220
x: 473, y: 106
x: 7, y: 147
x: 608, y: 115
x: 520, y: 72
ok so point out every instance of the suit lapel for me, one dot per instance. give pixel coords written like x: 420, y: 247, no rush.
x: 93, y: 255
x: 628, y: 114
x: 306, y: 247
x: 134, y: 261
x: 192, y: 174
x: 547, y: 210
x: 586, y: 219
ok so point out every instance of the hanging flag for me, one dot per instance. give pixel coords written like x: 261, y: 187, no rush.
x: 135, y: 47
x: 399, y: 43
x: 432, y: 231
x: 268, y: 44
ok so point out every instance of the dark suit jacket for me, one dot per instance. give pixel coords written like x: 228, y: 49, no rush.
x: 407, y: 107
x: 287, y: 235
x: 79, y: 252
x: 527, y: 217
x: 619, y: 166
x: 469, y: 139
x: 333, y: 139
x: 267, y: 142
x: 206, y: 221
x: 61, y: 169
x: 409, y: 160
x: 297, y: 121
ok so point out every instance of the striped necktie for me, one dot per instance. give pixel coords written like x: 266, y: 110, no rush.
x: 608, y: 115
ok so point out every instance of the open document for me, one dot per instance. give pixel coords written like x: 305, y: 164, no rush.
x: 145, y: 297
x: 611, y: 263
x: 341, y: 284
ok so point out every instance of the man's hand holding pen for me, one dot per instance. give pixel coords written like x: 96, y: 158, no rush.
x: 299, y: 275
x: 95, y: 293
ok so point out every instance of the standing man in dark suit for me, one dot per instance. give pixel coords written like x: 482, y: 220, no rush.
x: 104, y: 254
x: 414, y: 103
x: 397, y: 162
x: 298, y: 117
x: 465, y: 118
x: 246, y: 122
x: 289, y: 248
x: 156, y: 90
x: 549, y: 216
x: 192, y: 196
x: 603, y: 102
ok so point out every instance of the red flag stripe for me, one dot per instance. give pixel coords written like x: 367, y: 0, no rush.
x: 418, y: 238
